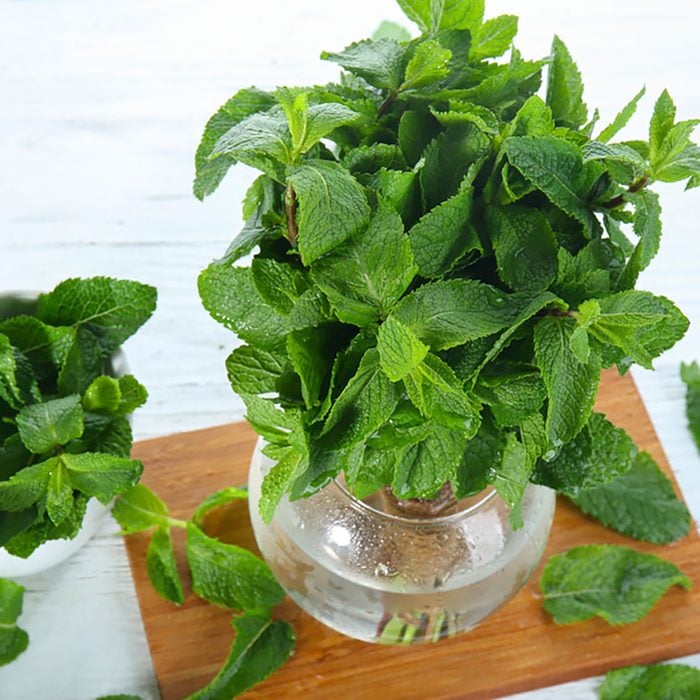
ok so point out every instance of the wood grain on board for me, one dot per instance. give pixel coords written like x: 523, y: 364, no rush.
x: 516, y: 649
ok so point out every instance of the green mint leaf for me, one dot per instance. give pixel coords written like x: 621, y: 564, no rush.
x: 101, y: 475
x: 468, y: 113
x: 252, y: 370
x: 139, y: 509
x: 43, y: 426
x: 280, y: 284
x: 622, y: 119
x: 261, y: 647
x: 360, y: 280
x: 87, y: 358
x: 118, y: 308
x: 370, y: 469
x: 614, y: 583
x: 599, y: 454
x: 332, y: 207
x: 624, y: 164
x: 445, y: 314
x: 571, y: 385
x: 25, y: 488
x: 416, y: 130
x: 230, y: 576
x: 381, y: 63
x: 555, y: 167
x: 44, y: 346
x: 217, y: 500
x: 429, y: 64
x: 434, y: 15
x: 444, y: 235
x: 268, y: 420
x: 364, y: 405
x: 13, y: 639
x: 110, y: 434
x: 494, y: 37
x: 423, y: 468
x: 391, y: 30
x: 311, y: 310
x: 662, y: 122
x: 511, y: 477
x: 104, y: 395
x: 133, y: 394
x: 59, y: 494
x: 525, y: 247
x: 647, y: 226
x: 656, y: 681
x: 295, y: 104
x: 690, y: 374
x: 13, y: 456
x: 9, y: 389
x: 229, y: 294
x: 373, y: 157
x: 436, y: 392
x: 512, y: 397
x: 400, y: 352
x: 162, y: 567
x: 209, y: 174
x: 311, y: 352
x: 278, y: 481
x: 641, y: 503
x: 261, y: 140
x: 400, y: 189
x: 565, y: 88
x: 678, y: 157
x: 481, y: 454
x: 120, y: 696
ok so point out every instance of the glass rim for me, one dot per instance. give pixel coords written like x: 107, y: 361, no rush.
x: 434, y: 520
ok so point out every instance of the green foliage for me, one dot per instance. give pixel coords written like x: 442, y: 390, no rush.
x: 612, y: 582
x: 13, y: 639
x: 437, y: 284
x: 66, y: 437
x: 690, y: 374
x: 673, y: 681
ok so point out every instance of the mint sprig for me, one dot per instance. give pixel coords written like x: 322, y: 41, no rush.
x: 655, y: 681
x: 13, y: 639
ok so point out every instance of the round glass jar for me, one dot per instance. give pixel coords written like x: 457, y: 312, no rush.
x: 382, y: 577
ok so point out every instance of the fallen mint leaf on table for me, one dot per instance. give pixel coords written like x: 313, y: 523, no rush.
x: 667, y: 681
x: 641, y: 503
x: 612, y: 582
x: 690, y: 374
x: 261, y: 646
x: 13, y: 639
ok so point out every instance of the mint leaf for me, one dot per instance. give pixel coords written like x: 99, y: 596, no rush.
x: 25, y: 488
x: 139, y: 509
x: 614, y: 583
x: 279, y: 284
x: 511, y: 477
x: 59, y: 494
x: 118, y: 308
x: 162, y: 567
x: 101, y: 475
x: 494, y: 37
x: 230, y: 296
x: 104, y: 395
x: 110, y: 434
x: 656, y: 681
x: 512, y: 397
x: 261, y: 140
x: 9, y: 389
x: 217, y: 500
x: 647, y: 225
x: 444, y: 14
x: 381, y: 62
x: 230, y: 576
x: 690, y: 374
x: 373, y: 157
x: 43, y: 426
x: 260, y: 648
x: 13, y: 639
x: 391, y: 30
x: 311, y: 352
x: 268, y: 420
x: 571, y: 385
x: 400, y: 352
x: 423, y: 468
x: 525, y: 247
x: 597, y: 455
x: 468, y: 113
x: 209, y: 174
x: 641, y: 503
x: 278, y: 481
x: 133, y: 394
x: 360, y: 280
x: 555, y: 167
x: 366, y: 403
x: 253, y: 370
x: 622, y: 119
x: 332, y: 207
x: 429, y: 64
x: 86, y: 358
x: 565, y: 89
x: 445, y: 314
x: 444, y: 235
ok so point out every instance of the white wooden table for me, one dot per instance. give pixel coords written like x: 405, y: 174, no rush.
x: 102, y: 105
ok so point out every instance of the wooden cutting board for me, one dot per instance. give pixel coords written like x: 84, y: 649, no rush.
x: 516, y: 649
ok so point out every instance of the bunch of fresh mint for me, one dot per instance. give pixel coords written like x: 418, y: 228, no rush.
x: 444, y: 263
x: 64, y: 430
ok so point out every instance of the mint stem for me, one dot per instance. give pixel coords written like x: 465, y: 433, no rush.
x: 290, y: 208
